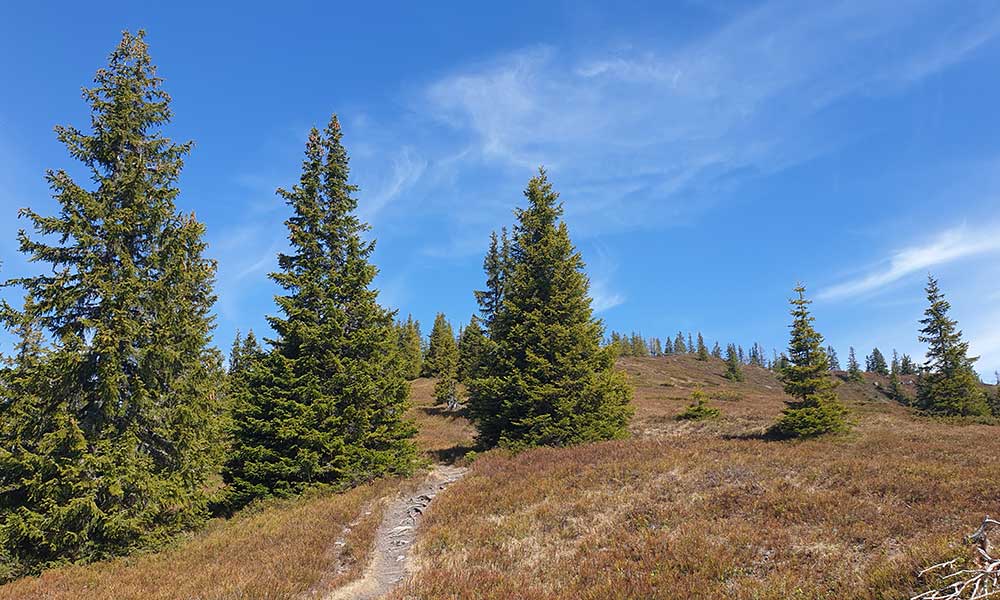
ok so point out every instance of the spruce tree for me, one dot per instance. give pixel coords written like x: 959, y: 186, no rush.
x: 716, y: 350
x: 442, y: 353
x: 326, y: 405
x: 702, y: 349
x: 949, y: 385
x: 490, y: 300
x: 110, y: 428
x: 410, y: 346
x: 473, y: 347
x: 907, y: 366
x: 875, y: 363
x: 690, y: 344
x: 668, y: 346
x: 814, y: 408
x: 638, y: 345
x: 679, y: 346
x: 655, y: 347
x: 550, y: 381
x: 831, y: 355
x: 734, y: 368
x: 853, y: 368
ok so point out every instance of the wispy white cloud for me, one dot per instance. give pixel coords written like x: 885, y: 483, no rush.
x: 404, y: 170
x: 948, y: 246
x: 670, y: 127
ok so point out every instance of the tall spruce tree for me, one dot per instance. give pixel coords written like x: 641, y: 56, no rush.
x: 679, y: 346
x: 410, y: 347
x: 668, y: 346
x: 814, y: 408
x: 716, y: 350
x: 110, y: 430
x: 702, y: 349
x: 853, y: 368
x: 907, y: 366
x: 473, y: 347
x: 550, y: 381
x: 875, y: 363
x: 734, y: 368
x: 949, y: 385
x: 326, y: 405
x: 495, y: 264
x: 831, y: 355
x: 442, y: 353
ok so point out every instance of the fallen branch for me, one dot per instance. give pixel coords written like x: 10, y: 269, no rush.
x: 981, y: 580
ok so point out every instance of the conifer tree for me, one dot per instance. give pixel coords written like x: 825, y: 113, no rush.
x: 326, y: 405
x: 442, y: 353
x: 410, y: 347
x: 875, y: 363
x: 702, y: 349
x: 690, y: 344
x: 668, y: 346
x: 907, y: 366
x: 896, y: 390
x: 110, y: 427
x: 550, y: 381
x: 655, y: 347
x: 853, y: 368
x: 894, y: 365
x: 734, y: 368
x: 814, y: 408
x: 831, y: 355
x: 716, y: 350
x: 490, y: 300
x: 638, y: 345
x: 473, y: 347
x: 949, y: 385
x: 679, y: 346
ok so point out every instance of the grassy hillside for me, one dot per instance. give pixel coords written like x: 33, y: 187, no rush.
x: 709, y: 510
x: 680, y: 510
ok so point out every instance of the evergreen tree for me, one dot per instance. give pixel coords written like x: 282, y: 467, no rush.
x: 907, y: 366
x: 740, y: 354
x: 110, y: 428
x: 853, y: 368
x: 894, y: 365
x: 638, y: 345
x: 679, y: 346
x: 734, y: 368
x: 410, y: 347
x: 702, y: 349
x: 699, y: 409
x: 875, y: 363
x: 473, y: 347
x: 949, y: 384
x: 831, y: 355
x: 442, y: 354
x: 655, y: 347
x: 326, y: 405
x: 814, y: 408
x: 490, y: 300
x: 716, y: 350
x: 668, y: 346
x: 551, y: 382
x: 690, y: 344
x: 896, y: 390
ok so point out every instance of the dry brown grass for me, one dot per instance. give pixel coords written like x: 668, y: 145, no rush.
x: 710, y: 511
x: 444, y: 436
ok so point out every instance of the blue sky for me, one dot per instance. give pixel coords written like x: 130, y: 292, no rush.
x: 710, y: 154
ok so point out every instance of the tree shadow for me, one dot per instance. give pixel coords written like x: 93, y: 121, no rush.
x: 444, y: 411
x: 451, y: 456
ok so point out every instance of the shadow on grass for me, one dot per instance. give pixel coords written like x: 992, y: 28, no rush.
x: 451, y: 456
x: 444, y: 411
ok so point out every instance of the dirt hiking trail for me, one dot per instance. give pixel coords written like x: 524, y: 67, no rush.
x: 395, y: 536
